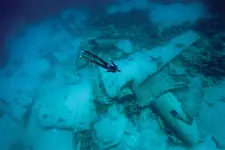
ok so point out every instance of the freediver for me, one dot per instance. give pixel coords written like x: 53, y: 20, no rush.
x: 90, y: 57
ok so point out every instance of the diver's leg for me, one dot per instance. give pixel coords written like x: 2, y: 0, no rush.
x: 86, y: 58
x: 103, y: 66
x: 93, y: 55
x: 97, y: 63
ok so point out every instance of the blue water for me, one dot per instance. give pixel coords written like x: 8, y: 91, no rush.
x: 169, y: 94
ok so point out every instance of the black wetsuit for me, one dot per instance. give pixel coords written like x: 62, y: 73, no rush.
x: 97, y: 60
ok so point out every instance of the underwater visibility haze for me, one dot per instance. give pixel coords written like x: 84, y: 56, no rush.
x: 112, y: 75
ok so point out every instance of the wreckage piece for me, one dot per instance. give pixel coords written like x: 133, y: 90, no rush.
x: 156, y: 85
x: 108, y: 131
x: 170, y: 111
x: 126, y: 94
x: 130, y: 110
x: 103, y: 43
x: 123, y: 45
x: 141, y: 65
x: 129, y: 101
x: 82, y: 139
